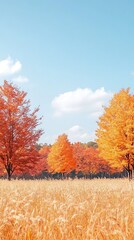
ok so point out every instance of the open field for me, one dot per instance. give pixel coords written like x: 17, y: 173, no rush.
x: 67, y: 210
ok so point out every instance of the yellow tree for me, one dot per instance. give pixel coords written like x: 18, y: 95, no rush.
x: 115, y: 133
x: 60, y: 159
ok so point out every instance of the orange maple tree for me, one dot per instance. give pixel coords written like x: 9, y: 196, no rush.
x: 115, y: 133
x: 18, y: 131
x: 60, y: 159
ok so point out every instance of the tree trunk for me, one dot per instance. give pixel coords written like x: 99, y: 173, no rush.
x: 9, y: 175
x: 130, y: 175
x: 9, y: 169
x: 63, y: 176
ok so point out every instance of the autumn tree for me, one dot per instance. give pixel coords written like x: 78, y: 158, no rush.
x: 115, y: 133
x: 88, y: 160
x: 44, y: 151
x: 60, y: 158
x: 92, y: 160
x: 18, y: 131
x: 78, y: 154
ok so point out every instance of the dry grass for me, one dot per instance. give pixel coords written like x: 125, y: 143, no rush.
x: 67, y: 210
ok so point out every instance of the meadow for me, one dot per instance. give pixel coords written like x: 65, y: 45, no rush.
x: 67, y: 209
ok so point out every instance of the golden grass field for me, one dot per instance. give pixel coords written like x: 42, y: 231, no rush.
x: 67, y: 210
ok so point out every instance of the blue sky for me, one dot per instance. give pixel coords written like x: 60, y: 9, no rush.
x: 70, y: 56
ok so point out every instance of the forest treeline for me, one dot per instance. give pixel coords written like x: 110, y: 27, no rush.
x: 86, y: 162
x: 112, y: 155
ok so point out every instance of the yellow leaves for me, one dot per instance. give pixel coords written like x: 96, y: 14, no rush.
x: 115, y: 133
x: 60, y: 158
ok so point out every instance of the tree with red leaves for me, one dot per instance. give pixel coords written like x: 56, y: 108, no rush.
x: 88, y: 160
x: 18, y: 131
x: 44, y: 151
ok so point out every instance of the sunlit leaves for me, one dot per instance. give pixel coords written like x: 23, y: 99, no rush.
x: 115, y: 133
x: 60, y: 158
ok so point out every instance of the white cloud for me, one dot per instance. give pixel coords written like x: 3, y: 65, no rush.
x: 20, y: 79
x: 78, y: 134
x: 81, y: 101
x: 9, y: 67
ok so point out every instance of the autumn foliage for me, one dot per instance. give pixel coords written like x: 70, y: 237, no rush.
x: 60, y: 158
x: 115, y: 133
x: 18, y: 132
x: 21, y: 154
x: 88, y: 160
x: 44, y: 151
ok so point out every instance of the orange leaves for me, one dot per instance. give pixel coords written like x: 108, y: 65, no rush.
x: 115, y: 133
x: 18, y: 133
x: 88, y: 160
x: 60, y: 158
x: 44, y: 151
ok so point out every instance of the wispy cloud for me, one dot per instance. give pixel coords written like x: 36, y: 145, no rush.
x: 81, y: 101
x: 9, y: 67
x: 20, y: 79
x: 78, y: 134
